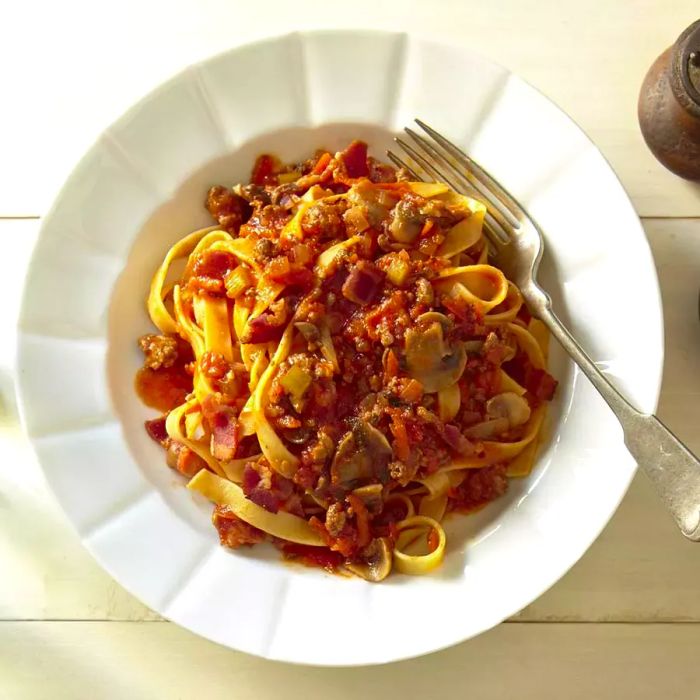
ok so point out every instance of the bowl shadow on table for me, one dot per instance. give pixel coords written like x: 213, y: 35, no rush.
x: 183, y: 212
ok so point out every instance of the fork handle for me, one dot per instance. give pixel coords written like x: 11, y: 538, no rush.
x: 672, y: 467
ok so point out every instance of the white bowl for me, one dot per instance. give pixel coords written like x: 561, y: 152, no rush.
x: 141, y: 187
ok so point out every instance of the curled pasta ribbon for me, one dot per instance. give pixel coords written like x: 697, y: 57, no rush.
x: 494, y: 451
x: 512, y: 304
x: 433, y: 507
x: 539, y: 332
x: 409, y: 530
x: 467, y: 231
x: 234, y: 469
x: 281, y: 524
x: 242, y: 248
x: 521, y: 465
x: 217, y: 327
x: 279, y: 457
x: 509, y: 384
x: 266, y: 292
x: 210, y: 240
x: 156, y: 297
x: 528, y: 344
x: 484, y: 286
x: 434, y: 503
x: 325, y: 260
x: 403, y: 499
x: 240, y: 318
x: 449, y: 401
x: 188, y: 330
x: 173, y: 426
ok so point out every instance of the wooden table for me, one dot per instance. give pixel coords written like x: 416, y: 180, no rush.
x: 624, y: 623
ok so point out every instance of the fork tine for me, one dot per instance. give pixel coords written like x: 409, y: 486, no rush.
x: 424, y: 163
x: 495, y: 206
x: 490, y: 183
x: 403, y: 164
x: 497, y: 227
x: 494, y: 235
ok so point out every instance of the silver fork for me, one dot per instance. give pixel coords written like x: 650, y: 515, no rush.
x: 517, y: 245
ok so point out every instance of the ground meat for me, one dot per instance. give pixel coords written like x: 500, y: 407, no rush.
x: 227, y: 208
x: 213, y: 365
x: 406, y: 221
x: 159, y: 350
x: 267, y: 221
x: 323, y: 221
x: 335, y: 519
x: 284, y: 194
x: 424, y: 291
x: 265, y: 249
x: 253, y: 194
x: 380, y: 172
x: 234, y: 532
x: 402, y: 472
x: 269, y: 325
x: 479, y: 487
x: 320, y: 451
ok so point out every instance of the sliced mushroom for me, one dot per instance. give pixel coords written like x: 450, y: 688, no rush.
x: 371, y: 496
x: 432, y: 316
x: 297, y: 436
x: 406, y: 221
x: 515, y: 409
x: 362, y: 453
x: 473, y: 347
x: 428, y: 358
x: 375, y: 561
x: 487, y: 429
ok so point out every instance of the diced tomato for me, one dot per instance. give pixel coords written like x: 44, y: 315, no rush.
x: 156, y: 429
x: 538, y: 382
x: 355, y: 159
x: 541, y: 384
x: 264, y: 170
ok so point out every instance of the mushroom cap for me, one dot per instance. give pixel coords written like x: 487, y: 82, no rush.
x: 429, y: 359
x: 376, y: 560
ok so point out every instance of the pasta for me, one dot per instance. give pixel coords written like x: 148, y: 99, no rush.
x: 340, y: 367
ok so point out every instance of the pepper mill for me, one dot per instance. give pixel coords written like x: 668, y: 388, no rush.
x: 669, y: 105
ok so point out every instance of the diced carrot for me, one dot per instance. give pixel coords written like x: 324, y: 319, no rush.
x: 392, y: 365
x: 413, y: 391
x: 398, y: 429
x: 321, y: 164
x: 427, y: 227
x: 361, y: 518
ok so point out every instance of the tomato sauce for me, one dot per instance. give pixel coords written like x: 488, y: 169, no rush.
x: 164, y: 388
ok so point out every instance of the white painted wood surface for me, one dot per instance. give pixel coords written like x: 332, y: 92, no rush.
x: 151, y: 660
x: 624, y: 623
